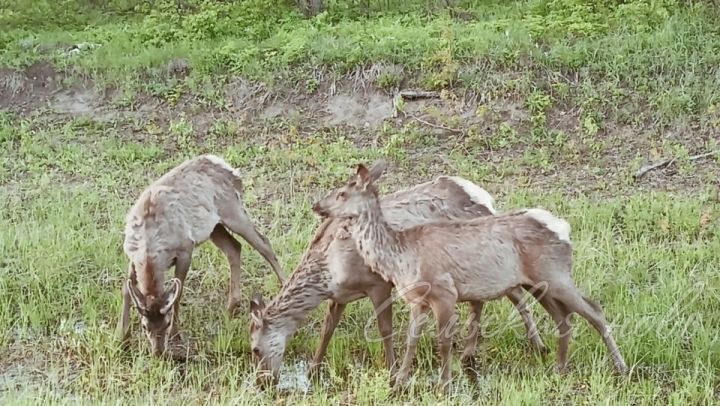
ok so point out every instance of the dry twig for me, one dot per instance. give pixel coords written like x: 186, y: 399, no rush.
x: 665, y: 162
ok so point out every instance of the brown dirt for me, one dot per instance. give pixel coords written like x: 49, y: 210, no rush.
x: 599, y: 164
x: 29, y: 89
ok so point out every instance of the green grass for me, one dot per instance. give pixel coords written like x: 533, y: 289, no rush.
x: 650, y: 259
x: 621, y: 71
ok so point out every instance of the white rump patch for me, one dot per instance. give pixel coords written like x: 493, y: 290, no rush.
x: 222, y: 163
x: 555, y: 224
x: 475, y: 192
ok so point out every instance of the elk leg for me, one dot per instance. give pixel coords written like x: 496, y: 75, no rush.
x: 381, y: 299
x: 122, y: 332
x: 238, y: 221
x: 468, y: 355
x: 517, y: 298
x: 232, y: 250
x: 332, y: 318
x: 563, y: 321
x: 444, y: 311
x: 592, y: 312
x: 182, y: 266
x: 418, y: 319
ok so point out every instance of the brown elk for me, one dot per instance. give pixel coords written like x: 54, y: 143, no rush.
x: 466, y: 261
x: 198, y: 200
x: 332, y: 268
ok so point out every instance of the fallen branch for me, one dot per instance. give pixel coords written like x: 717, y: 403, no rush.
x: 665, y: 162
x: 413, y: 95
x: 647, y: 168
x: 410, y: 95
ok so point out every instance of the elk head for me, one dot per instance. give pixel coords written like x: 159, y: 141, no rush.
x: 267, y: 341
x: 353, y: 197
x: 156, y: 313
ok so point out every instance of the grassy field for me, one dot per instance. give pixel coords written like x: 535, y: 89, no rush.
x: 552, y: 103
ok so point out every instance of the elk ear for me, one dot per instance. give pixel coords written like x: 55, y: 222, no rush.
x: 171, y: 295
x: 137, y: 297
x: 257, y: 305
x: 363, y: 175
x: 377, y: 170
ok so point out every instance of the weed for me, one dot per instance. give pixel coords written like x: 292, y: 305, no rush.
x: 538, y: 103
x: 388, y: 80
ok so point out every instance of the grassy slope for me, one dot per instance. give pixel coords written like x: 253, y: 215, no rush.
x: 649, y: 258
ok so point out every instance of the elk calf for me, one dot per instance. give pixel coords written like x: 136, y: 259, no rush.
x: 332, y: 268
x: 466, y: 261
x: 198, y: 200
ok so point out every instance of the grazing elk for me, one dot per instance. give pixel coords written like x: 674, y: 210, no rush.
x: 198, y: 200
x: 332, y: 268
x: 466, y: 261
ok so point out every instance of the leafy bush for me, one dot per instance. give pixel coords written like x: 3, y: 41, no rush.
x: 644, y: 15
x: 558, y: 18
x: 252, y: 19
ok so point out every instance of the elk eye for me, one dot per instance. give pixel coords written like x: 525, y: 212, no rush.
x: 341, y: 195
x: 256, y: 351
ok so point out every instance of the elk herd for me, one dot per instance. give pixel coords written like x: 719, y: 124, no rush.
x: 438, y: 243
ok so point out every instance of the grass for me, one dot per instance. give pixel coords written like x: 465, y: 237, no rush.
x: 635, y: 79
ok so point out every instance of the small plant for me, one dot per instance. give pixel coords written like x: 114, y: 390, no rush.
x: 224, y: 128
x: 539, y: 158
x: 312, y: 85
x: 394, y: 148
x: 682, y: 156
x: 442, y: 66
x: 590, y: 126
x: 126, y: 100
x: 181, y: 130
x: 8, y: 132
x: 538, y: 102
x: 388, y: 80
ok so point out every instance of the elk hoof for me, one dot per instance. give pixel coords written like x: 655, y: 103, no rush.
x: 468, y: 362
x: 561, y: 369
x: 470, y: 367
x: 542, y: 350
x: 444, y: 387
x: 233, y: 308
x: 400, y: 381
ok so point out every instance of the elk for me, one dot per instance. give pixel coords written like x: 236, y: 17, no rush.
x: 332, y: 269
x: 472, y: 261
x: 198, y: 200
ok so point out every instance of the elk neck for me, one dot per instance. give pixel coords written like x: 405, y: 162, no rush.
x: 308, y: 286
x: 376, y: 241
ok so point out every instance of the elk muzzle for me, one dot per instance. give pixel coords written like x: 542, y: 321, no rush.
x: 317, y: 208
x: 157, y: 344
